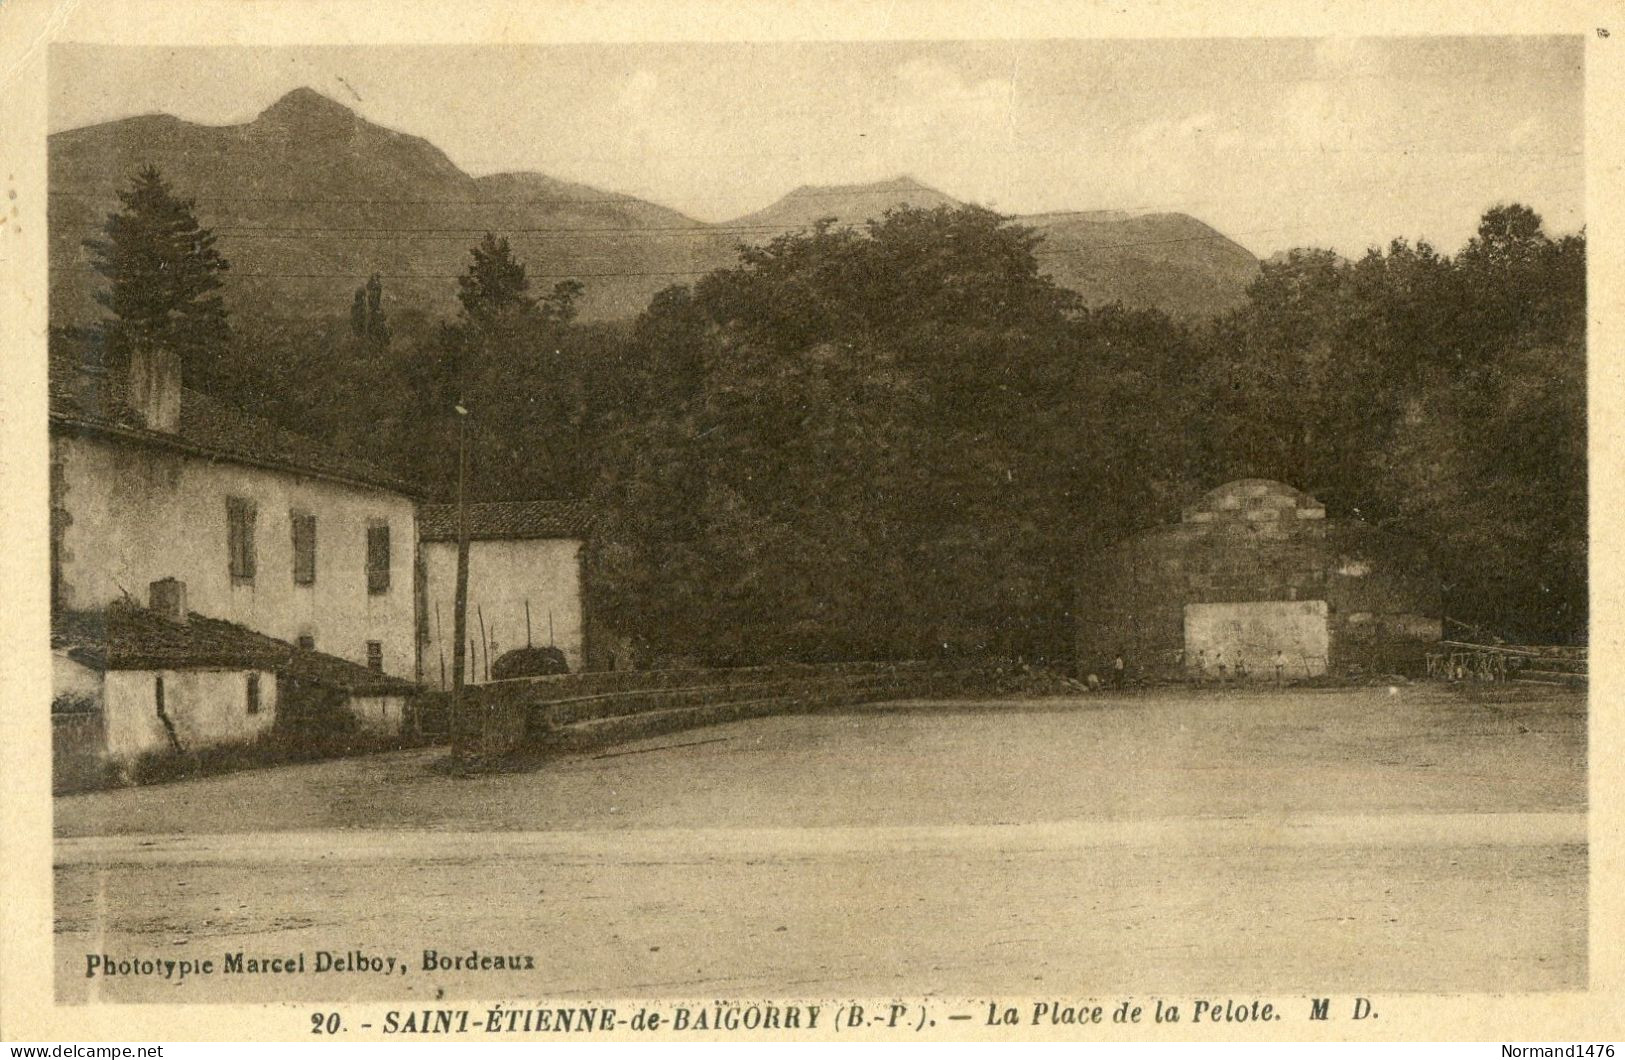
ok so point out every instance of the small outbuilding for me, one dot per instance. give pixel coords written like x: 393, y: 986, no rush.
x: 132, y: 680
x: 524, y: 584
x: 1255, y: 582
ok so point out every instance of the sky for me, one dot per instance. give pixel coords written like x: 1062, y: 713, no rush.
x: 1337, y: 142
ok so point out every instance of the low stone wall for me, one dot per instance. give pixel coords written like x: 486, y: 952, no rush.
x: 78, y: 751
x: 577, y: 710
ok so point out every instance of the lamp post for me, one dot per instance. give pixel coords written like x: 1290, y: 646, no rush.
x: 459, y: 614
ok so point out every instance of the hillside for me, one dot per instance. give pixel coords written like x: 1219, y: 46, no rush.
x: 1165, y: 261
x: 309, y: 198
x: 847, y: 203
x: 1168, y: 261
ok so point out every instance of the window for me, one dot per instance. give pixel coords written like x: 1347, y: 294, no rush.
x: 304, y: 548
x: 375, y: 655
x: 307, y: 641
x: 378, y: 558
x: 253, y: 693
x: 240, y: 538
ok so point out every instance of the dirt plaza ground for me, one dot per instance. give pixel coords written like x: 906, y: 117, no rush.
x: 1301, y: 841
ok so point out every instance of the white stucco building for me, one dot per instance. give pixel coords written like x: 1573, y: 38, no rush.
x: 266, y: 528
x: 132, y: 680
x: 524, y: 583
x: 214, y: 577
x: 164, y: 681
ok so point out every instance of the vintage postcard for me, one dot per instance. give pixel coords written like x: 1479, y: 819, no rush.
x: 810, y: 522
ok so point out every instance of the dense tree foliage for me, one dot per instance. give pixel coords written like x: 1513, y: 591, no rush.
x: 899, y: 439
x: 163, y: 276
x: 1440, y: 398
x: 537, y: 390
x: 1488, y: 462
x: 383, y: 384
x: 875, y: 442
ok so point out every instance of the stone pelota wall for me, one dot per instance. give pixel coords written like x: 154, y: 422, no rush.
x: 1254, y: 541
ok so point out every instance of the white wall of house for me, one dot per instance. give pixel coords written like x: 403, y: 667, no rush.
x: 207, y: 708
x: 380, y: 714
x: 136, y: 513
x: 502, y: 576
x: 72, y: 678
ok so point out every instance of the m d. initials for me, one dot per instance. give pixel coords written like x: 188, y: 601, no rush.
x: 1320, y: 1008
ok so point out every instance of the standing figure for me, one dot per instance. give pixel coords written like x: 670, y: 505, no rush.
x: 1118, y: 669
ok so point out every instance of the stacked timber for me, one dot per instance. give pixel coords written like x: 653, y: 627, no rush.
x: 1532, y: 664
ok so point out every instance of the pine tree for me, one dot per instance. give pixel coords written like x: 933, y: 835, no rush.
x: 163, y: 272
x: 367, y: 314
x: 495, y: 287
x: 559, y: 308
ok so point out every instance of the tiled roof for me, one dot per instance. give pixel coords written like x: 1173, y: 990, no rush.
x: 127, y: 637
x: 93, y: 399
x: 507, y: 519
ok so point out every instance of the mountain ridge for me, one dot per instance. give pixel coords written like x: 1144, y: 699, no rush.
x: 316, y: 198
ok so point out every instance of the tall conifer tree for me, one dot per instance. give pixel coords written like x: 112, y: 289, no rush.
x: 164, y: 274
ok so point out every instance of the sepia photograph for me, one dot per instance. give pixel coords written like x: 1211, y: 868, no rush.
x: 1016, y: 526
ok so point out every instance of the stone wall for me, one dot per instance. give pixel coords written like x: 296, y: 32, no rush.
x: 1256, y: 541
x: 78, y: 751
x: 595, y: 708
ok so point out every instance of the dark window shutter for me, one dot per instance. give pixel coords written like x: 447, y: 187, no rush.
x: 304, y: 549
x: 240, y: 537
x: 378, y: 558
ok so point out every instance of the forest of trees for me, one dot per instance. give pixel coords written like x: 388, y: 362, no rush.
x: 898, y: 439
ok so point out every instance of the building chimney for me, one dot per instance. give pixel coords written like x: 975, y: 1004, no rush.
x: 155, y: 388
x: 166, y: 598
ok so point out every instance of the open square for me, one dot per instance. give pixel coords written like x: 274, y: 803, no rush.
x: 1405, y: 839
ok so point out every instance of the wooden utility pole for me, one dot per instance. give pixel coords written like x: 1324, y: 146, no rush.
x: 459, y: 611
x: 485, y: 642
x: 440, y: 643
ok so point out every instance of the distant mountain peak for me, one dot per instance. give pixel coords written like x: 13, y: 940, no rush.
x: 847, y: 203
x: 899, y: 185
x: 304, y: 107
x: 904, y: 182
